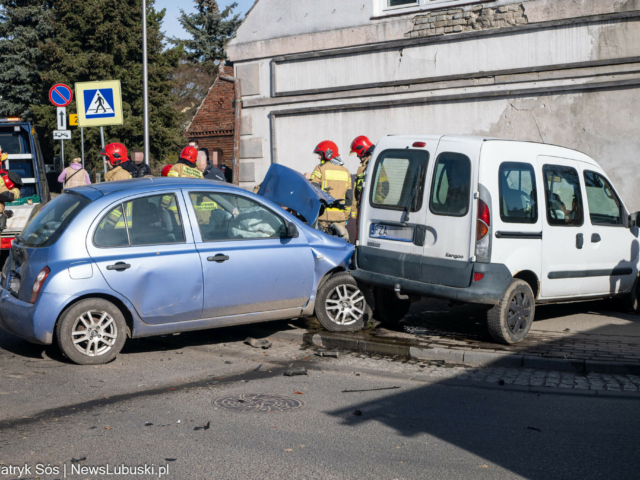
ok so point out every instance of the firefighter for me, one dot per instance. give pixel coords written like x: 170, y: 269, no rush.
x: 186, y: 166
x: 121, y: 166
x: 10, y: 183
x: 363, y: 148
x: 166, y: 169
x: 332, y: 177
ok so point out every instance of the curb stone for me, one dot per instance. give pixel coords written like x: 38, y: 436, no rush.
x: 471, y: 358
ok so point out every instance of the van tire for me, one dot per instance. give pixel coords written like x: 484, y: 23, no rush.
x: 71, y: 326
x: 389, y: 308
x: 518, y: 300
x: 330, y: 294
x: 632, y: 301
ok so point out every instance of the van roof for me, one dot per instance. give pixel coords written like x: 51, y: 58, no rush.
x: 543, y: 148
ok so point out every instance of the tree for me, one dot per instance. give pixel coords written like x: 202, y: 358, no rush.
x: 102, y: 40
x: 210, y: 29
x: 24, y: 25
x: 191, y: 85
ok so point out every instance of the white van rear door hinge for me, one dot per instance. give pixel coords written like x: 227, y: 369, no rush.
x: 476, y: 195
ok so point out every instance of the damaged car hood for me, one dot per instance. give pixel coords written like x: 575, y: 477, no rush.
x: 287, y: 188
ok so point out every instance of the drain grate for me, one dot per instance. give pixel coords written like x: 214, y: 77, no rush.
x: 267, y: 403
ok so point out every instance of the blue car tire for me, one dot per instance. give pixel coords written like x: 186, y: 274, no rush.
x: 91, y: 332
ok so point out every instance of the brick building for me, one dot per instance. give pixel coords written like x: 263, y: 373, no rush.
x: 213, y: 124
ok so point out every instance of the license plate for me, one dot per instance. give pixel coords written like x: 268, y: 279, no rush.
x: 391, y: 232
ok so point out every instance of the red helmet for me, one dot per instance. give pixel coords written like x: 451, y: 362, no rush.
x: 116, y: 153
x: 166, y: 169
x: 360, y: 146
x: 190, y: 154
x: 327, y: 149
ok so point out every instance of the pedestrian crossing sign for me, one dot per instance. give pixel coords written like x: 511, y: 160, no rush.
x: 99, y: 103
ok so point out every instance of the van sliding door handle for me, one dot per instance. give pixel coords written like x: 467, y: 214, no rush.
x: 595, y: 238
x: 219, y: 258
x: 579, y: 241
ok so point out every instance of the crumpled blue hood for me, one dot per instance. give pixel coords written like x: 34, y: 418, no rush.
x: 287, y: 188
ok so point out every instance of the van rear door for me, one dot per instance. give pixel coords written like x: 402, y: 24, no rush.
x: 392, y: 227
x: 448, y: 245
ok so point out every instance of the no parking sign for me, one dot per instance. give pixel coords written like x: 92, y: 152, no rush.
x: 61, y: 95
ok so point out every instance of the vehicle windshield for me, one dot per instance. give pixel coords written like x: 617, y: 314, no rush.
x: 47, y: 226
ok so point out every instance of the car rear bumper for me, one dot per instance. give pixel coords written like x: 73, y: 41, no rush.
x: 34, y: 323
x: 487, y: 291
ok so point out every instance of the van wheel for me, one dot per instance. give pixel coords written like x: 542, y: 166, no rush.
x: 342, y: 305
x: 389, y: 308
x: 92, y: 332
x: 632, y: 301
x: 511, y: 319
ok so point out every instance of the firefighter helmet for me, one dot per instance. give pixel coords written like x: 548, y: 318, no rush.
x: 190, y: 154
x: 116, y: 153
x: 360, y: 146
x: 328, y: 150
x: 166, y: 169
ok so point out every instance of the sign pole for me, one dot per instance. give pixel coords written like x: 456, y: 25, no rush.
x: 145, y: 81
x: 62, y: 152
x: 102, y: 140
x: 82, y: 144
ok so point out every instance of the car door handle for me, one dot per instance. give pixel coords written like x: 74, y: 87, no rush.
x: 119, y: 267
x: 595, y: 238
x: 579, y: 241
x: 220, y: 258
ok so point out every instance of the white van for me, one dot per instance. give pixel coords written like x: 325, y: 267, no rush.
x: 503, y: 223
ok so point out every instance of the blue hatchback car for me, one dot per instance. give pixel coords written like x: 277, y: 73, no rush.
x: 156, y: 256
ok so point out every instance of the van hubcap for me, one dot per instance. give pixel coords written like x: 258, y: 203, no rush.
x: 94, y: 333
x: 345, y: 305
x: 519, y: 313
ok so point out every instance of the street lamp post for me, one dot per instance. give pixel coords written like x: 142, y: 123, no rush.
x: 145, y: 81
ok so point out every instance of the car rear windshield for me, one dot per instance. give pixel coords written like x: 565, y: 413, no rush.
x: 54, y: 218
x: 398, y: 179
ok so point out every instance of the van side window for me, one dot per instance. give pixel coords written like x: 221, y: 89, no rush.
x: 564, y: 199
x: 398, y: 179
x: 518, y: 194
x: 451, y: 185
x: 604, y: 205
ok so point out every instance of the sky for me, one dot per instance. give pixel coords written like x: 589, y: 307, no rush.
x: 171, y: 25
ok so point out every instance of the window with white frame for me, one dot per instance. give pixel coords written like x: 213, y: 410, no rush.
x: 394, y: 7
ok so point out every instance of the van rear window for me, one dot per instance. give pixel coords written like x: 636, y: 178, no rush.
x: 518, y: 198
x: 398, y: 179
x: 51, y: 222
x: 451, y: 185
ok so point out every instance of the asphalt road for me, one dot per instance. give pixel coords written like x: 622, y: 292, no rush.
x: 144, y: 408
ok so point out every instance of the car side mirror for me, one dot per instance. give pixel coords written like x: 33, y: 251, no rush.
x: 292, y: 230
x: 634, y: 220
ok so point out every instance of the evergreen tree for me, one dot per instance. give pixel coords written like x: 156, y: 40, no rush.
x: 102, y: 40
x: 24, y: 24
x: 210, y: 29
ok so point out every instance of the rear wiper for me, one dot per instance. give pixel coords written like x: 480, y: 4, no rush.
x: 411, y: 204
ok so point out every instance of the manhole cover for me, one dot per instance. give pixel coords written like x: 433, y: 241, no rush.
x: 259, y: 403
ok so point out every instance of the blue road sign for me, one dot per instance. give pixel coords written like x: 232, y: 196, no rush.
x: 60, y: 95
x: 98, y: 103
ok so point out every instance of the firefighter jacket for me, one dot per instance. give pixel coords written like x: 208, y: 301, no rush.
x: 382, y: 187
x: 336, y: 181
x: 183, y: 170
x: 118, y: 173
x: 8, y: 195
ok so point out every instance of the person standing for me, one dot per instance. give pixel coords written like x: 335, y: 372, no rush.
x: 138, y: 162
x: 332, y: 177
x: 209, y: 171
x: 74, y: 175
x: 186, y: 166
x: 119, y: 163
x: 363, y: 148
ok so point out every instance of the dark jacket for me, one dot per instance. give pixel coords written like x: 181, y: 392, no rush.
x: 142, y: 170
x: 213, y: 173
x: 228, y: 173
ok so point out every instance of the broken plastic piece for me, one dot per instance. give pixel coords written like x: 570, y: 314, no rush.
x: 328, y: 354
x: 78, y: 460
x: 293, y: 371
x: 370, y: 390
x: 262, y: 343
x: 203, y: 427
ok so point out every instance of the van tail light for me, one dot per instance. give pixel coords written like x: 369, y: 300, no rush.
x: 483, y: 232
x: 5, y: 243
x: 484, y: 221
x: 37, y: 285
x: 419, y: 145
